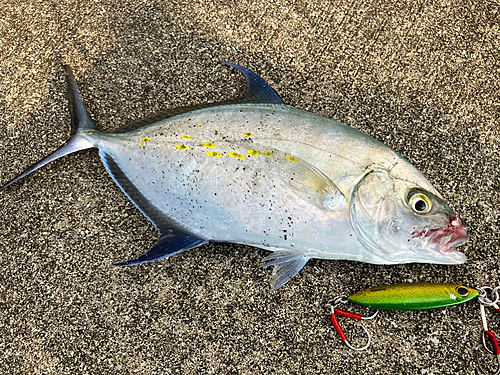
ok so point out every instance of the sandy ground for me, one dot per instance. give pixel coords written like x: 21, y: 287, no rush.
x: 421, y: 76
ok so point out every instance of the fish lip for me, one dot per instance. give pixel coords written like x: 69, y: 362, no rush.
x: 446, y: 240
x: 452, y: 245
x: 451, y: 249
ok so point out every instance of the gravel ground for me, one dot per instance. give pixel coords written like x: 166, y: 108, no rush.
x: 421, y: 76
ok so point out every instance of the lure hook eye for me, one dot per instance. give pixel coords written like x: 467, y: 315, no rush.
x: 485, y: 299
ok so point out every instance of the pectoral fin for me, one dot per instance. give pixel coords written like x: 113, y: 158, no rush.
x: 313, y: 185
x: 303, y: 178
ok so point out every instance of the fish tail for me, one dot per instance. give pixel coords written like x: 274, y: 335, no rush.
x: 82, y: 126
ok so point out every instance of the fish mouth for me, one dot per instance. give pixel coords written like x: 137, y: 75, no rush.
x: 445, y: 240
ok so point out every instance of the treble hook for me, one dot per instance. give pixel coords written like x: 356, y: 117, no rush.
x: 333, y: 317
x: 485, y: 301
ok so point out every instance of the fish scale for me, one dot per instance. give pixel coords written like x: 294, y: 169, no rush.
x: 262, y: 173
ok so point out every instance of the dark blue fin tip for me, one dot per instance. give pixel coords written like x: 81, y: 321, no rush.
x: 258, y: 90
x: 168, y: 245
x: 80, y: 117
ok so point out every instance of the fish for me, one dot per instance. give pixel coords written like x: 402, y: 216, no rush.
x: 414, y: 296
x: 262, y: 173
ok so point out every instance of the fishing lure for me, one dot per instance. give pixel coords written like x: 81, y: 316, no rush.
x: 409, y: 296
x: 420, y: 296
x: 413, y: 296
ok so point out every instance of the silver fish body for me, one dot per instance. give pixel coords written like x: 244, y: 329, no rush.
x: 276, y: 177
x: 186, y: 165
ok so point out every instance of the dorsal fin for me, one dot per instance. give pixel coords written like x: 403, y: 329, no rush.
x: 258, y: 91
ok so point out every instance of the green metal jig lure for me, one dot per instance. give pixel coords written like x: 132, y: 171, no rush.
x: 414, y: 296
x: 419, y: 296
x: 411, y: 296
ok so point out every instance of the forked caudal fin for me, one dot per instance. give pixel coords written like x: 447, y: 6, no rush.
x: 80, y: 122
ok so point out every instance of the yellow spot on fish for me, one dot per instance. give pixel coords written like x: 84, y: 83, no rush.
x: 235, y: 155
x: 248, y: 134
x: 185, y: 136
x: 145, y: 140
x: 214, y: 154
x: 292, y: 158
x: 181, y: 147
x: 209, y: 144
x: 268, y: 153
x: 253, y: 152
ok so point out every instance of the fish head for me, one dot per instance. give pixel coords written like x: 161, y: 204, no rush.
x: 399, y: 221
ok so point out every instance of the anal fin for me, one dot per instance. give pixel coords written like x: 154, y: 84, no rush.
x: 174, y: 237
x: 169, y: 244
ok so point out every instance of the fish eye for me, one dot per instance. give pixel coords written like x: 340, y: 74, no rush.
x: 419, y: 202
x: 463, y: 292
